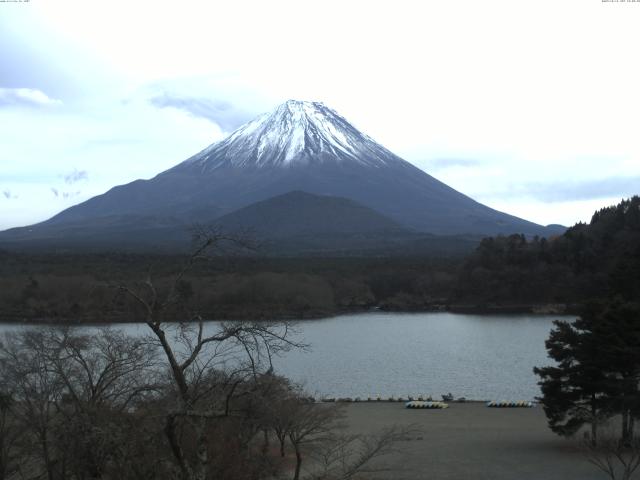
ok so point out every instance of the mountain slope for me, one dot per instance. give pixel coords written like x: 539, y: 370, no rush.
x: 300, y: 146
x: 301, y: 213
x: 300, y: 223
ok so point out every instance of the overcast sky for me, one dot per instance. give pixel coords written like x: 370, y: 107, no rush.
x: 531, y: 107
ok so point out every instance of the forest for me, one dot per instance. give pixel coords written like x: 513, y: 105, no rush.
x: 589, y: 261
x: 503, y: 274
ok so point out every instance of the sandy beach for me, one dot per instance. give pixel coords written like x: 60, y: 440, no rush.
x: 471, y: 441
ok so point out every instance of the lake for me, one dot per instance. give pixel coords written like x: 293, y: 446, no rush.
x: 482, y: 357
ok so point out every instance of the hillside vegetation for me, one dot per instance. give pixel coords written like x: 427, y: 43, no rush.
x: 589, y: 261
x: 504, y: 273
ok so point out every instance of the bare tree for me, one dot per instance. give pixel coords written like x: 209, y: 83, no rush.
x: 104, y: 376
x: 311, y: 423
x: 280, y: 409
x: 10, y: 433
x: 36, y: 391
x: 192, y: 353
x: 616, y: 458
x: 314, y: 430
x: 70, y: 393
x: 107, y: 369
x: 344, y: 457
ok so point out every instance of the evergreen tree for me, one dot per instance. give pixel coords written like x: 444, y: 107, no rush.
x: 617, y: 327
x: 574, y: 392
x: 597, y: 371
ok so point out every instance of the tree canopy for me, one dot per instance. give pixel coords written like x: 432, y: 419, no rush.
x: 596, y: 260
x: 597, y: 369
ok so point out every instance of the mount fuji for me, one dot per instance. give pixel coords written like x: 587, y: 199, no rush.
x: 299, y: 147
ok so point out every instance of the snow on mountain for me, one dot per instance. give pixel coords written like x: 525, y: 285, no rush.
x: 300, y: 146
x: 295, y: 133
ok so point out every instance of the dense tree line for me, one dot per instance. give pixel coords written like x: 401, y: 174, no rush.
x: 595, y: 260
x: 589, y: 261
x: 77, y: 288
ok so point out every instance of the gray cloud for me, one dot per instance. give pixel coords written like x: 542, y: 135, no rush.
x: 552, y: 192
x: 220, y: 112
x: 31, y: 97
x: 586, y: 190
x: 76, y: 176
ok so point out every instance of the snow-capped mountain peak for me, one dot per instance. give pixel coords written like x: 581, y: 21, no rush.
x: 295, y: 133
x: 302, y: 147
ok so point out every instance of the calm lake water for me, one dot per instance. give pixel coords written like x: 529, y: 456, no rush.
x: 483, y: 357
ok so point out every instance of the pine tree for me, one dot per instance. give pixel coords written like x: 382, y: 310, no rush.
x: 617, y: 327
x: 597, y: 372
x: 574, y: 392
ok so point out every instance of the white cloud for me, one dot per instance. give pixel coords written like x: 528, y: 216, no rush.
x: 116, y: 142
x: 26, y: 96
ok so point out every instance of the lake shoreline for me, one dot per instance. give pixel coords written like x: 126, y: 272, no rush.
x: 476, y: 309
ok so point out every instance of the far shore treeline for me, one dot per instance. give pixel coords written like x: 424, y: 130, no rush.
x: 503, y: 274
